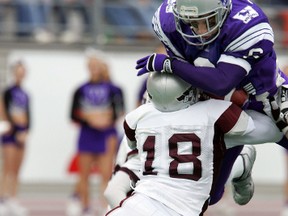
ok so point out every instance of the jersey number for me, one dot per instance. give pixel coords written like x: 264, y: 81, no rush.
x: 196, y: 173
x: 254, y: 53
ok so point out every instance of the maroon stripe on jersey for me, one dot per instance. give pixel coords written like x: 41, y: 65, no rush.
x: 131, y: 174
x: 229, y: 118
x: 116, y: 168
x: 224, y: 124
x: 112, y: 210
x: 133, y: 152
x: 219, y: 150
x: 204, y: 208
x: 119, y: 205
x: 130, y: 133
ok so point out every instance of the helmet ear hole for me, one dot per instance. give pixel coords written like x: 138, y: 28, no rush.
x: 169, y: 93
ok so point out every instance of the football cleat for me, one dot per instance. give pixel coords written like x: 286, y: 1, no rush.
x: 243, y: 187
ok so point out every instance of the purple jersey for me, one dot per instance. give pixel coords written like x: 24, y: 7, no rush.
x: 97, y: 96
x: 16, y: 100
x: 92, y: 97
x: 242, y: 56
x: 117, y: 101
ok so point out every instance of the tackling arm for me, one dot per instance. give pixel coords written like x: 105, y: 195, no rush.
x: 219, y: 81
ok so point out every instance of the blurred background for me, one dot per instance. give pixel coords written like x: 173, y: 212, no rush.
x: 51, y: 37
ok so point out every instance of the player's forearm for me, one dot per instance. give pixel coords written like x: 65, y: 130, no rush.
x: 218, y: 81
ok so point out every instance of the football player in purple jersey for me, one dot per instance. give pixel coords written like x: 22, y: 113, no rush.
x: 221, y: 46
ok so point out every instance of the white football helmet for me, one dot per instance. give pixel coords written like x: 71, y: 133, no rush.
x: 170, y: 93
x: 189, y: 13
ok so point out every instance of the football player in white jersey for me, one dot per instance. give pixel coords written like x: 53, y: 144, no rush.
x: 219, y: 46
x: 180, y: 142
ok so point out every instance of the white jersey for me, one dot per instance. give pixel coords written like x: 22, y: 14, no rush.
x: 180, y: 151
x: 124, y: 152
x: 127, y: 160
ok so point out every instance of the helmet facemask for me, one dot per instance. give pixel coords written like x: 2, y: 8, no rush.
x: 188, y: 16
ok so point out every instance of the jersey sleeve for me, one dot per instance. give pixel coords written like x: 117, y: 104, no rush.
x: 76, y: 107
x: 130, y: 135
x: 131, y: 121
x: 218, y: 81
x: 130, y: 124
x: 248, y: 42
x: 117, y: 102
x: 11, y: 105
x: 234, y: 121
x: 7, y: 100
x: 247, y: 35
x: 28, y: 112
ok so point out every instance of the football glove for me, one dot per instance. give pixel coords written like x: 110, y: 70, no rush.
x: 155, y: 62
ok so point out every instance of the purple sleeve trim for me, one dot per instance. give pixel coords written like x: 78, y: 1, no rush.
x: 131, y: 174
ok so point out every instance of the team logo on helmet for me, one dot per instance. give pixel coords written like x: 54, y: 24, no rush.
x: 188, y: 95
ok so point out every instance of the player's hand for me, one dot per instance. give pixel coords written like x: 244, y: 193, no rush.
x: 154, y: 62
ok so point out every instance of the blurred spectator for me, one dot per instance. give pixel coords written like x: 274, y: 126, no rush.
x: 284, y: 17
x: 33, y: 18
x: 66, y: 11
x: 16, y: 112
x: 272, y: 2
x: 131, y: 18
x: 145, y: 9
x: 96, y: 106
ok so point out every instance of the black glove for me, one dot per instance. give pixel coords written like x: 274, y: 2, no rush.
x: 154, y: 63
